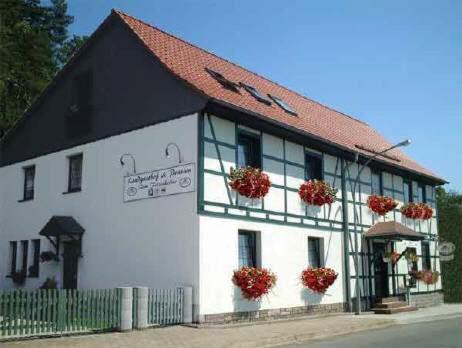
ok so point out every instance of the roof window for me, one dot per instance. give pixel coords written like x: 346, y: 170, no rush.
x: 222, y: 80
x: 256, y: 94
x: 286, y: 107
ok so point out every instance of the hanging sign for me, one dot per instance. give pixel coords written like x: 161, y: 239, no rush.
x: 446, y: 250
x: 160, y: 182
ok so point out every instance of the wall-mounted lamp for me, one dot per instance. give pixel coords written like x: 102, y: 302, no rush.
x: 122, y: 163
x: 167, y: 152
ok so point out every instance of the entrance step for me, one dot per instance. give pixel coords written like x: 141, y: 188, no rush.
x: 389, y: 299
x: 395, y: 310
x: 396, y: 304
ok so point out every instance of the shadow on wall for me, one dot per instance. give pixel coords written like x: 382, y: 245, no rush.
x: 243, y: 305
x: 310, y: 298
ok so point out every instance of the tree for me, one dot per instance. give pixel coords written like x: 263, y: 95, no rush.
x: 449, y: 206
x: 34, y: 44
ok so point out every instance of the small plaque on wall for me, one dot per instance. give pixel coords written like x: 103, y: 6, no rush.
x: 160, y: 182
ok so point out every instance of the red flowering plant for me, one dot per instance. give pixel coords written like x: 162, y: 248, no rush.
x: 317, y: 192
x: 381, y: 204
x: 429, y: 277
x: 318, y: 280
x: 254, y: 282
x: 392, y: 257
x: 249, y: 182
x: 417, y: 211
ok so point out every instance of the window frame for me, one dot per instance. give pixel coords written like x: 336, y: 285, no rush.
x: 24, y: 256
x: 13, y: 256
x: 256, y: 93
x: 410, y: 191
x: 258, y: 156
x: 25, y: 195
x: 424, y: 194
x: 70, y: 159
x: 320, y: 246
x: 222, y: 80
x: 426, y: 257
x: 379, y: 174
x: 253, y: 241
x: 34, y: 269
x: 283, y: 104
x: 315, y: 156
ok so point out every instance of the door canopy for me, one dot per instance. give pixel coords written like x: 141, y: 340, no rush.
x: 393, y: 230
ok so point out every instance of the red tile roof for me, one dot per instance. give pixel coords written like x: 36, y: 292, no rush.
x: 188, y: 62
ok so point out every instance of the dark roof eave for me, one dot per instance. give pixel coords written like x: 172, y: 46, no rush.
x: 348, y: 152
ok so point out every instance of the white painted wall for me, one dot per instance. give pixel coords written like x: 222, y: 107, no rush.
x: 152, y: 242
x: 284, y: 250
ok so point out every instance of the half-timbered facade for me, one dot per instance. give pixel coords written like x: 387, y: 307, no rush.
x: 80, y: 173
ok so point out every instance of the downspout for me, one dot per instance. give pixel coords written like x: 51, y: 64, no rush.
x: 346, y: 235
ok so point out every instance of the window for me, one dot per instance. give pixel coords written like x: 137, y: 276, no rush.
x: 222, y: 80
x: 29, y: 178
x: 421, y: 194
x: 256, y: 94
x: 282, y: 104
x: 247, y: 249
x: 313, y: 167
x: 81, y: 105
x: 13, y: 256
x: 407, y: 188
x: 426, y: 262
x: 314, y: 252
x: 414, y: 263
x: 248, y: 150
x: 24, y: 254
x: 377, y: 183
x: 34, y: 269
x: 75, y: 173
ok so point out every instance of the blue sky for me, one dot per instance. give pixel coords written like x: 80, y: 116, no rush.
x: 396, y: 65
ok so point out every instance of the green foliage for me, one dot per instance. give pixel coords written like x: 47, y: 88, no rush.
x: 34, y: 44
x: 450, y: 229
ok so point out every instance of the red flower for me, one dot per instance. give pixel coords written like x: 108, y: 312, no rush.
x: 381, y: 204
x: 316, y: 192
x: 249, y: 182
x: 417, y: 211
x: 254, y: 282
x: 318, y: 279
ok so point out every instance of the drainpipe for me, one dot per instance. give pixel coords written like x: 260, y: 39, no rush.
x: 346, y: 235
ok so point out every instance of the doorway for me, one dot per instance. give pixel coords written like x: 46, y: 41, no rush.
x: 380, y: 270
x: 70, y: 265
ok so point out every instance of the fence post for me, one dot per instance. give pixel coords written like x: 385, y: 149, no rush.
x: 187, y: 305
x: 126, y: 303
x: 141, y: 307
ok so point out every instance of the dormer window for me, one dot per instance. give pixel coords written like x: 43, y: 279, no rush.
x: 222, y: 80
x: 256, y: 94
x: 283, y: 105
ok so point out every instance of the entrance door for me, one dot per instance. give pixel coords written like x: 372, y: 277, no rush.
x: 380, y: 271
x: 70, y: 265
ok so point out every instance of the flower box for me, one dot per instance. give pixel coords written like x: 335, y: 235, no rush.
x: 47, y: 256
x: 381, y: 204
x: 417, y: 211
x: 317, y: 192
x: 318, y: 280
x: 254, y: 282
x: 249, y: 182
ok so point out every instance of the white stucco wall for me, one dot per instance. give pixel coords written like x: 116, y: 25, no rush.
x: 283, y: 249
x: 152, y: 242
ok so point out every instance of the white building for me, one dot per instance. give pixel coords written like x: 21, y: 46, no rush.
x: 133, y: 94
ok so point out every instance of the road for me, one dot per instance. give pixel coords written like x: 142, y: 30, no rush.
x: 436, y: 334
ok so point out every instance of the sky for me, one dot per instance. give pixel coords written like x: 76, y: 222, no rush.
x: 396, y: 65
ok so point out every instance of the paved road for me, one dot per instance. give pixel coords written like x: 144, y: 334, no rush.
x: 437, y: 334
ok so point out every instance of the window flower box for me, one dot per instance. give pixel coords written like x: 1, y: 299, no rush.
x: 254, y: 282
x: 417, y: 211
x: 381, y: 204
x: 249, y: 182
x: 318, y: 280
x: 317, y: 192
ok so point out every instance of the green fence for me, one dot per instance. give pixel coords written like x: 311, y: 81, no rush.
x: 41, y: 312
x: 165, y: 306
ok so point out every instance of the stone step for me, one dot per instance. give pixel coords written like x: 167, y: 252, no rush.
x: 396, y: 304
x: 394, y: 310
x: 389, y: 299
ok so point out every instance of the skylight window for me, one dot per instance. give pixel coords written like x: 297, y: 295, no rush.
x: 286, y: 107
x: 256, y: 94
x: 222, y: 80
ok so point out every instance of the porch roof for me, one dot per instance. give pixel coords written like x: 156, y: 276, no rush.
x: 393, y: 230
x: 62, y: 226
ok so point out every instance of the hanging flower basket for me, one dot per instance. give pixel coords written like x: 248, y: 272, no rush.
x: 47, y: 256
x: 392, y: 257
x: 381, y: 204
x: 417, y: 211
x: 254, y: 282
x: 318, y: 280
x: 429, y: 277
x: 249, y: 182
x: 317, y: 192
x: 411, y: 256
